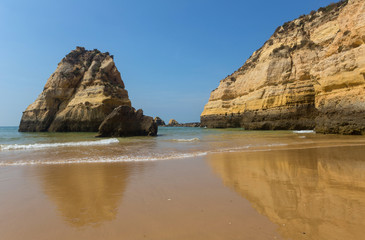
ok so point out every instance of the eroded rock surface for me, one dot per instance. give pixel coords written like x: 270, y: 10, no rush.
x: 125, y: 121
x: 173, y: 122
x: 159, y: 121
x: 309, y: 74
x: 190, y: 124
x: 83, y: 90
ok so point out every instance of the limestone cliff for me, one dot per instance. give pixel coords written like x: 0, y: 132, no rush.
x: 309, y: 74
x: 83, y: 90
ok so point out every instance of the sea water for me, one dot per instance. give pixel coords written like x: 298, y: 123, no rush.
x: 17, y: 148
x: 186, y: 183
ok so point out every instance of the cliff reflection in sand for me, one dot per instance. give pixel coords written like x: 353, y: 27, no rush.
x: 309, y: 193
x: 86, y: 194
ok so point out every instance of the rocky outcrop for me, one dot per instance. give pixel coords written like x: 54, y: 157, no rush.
x: 159, y: 121
x: 83, y: 90
x: 125, y: 121
x: 191, y: 124
x: 173, y: 122
x: 309, y: 74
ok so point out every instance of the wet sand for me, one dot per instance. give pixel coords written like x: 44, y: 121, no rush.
x: 313, y: 193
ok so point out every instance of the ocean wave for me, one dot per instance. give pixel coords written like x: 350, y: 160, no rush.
x: 108, y: 160
x: 249, y: 147
x: 170, y: 155
x: 186, y: 140
x: 4, y: 147
x: 304, y: 131
x: 275, y: 145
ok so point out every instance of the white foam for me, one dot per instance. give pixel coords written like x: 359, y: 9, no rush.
x: 186, y: 140
x: 53, y: 145
x: 248, y: 147
x: 275, y: 145
x: 304, y: 131
x: 108, y: 160
x: 231, y: 149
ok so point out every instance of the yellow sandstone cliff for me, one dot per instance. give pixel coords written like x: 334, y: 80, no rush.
x: 84, y: 89
x: 309, y: 74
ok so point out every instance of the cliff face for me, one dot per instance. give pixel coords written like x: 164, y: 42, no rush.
x: 83, y: 90
x: 309, y: 74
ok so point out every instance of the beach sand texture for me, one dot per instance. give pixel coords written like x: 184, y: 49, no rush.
x: 309, y: 189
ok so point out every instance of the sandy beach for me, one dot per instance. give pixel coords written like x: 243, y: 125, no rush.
x: 182, y: 120
x: 312, y: 193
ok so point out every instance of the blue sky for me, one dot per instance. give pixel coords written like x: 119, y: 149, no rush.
x: 171, y: 54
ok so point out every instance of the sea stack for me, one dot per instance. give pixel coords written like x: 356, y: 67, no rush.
x: 77, y: 97
x: 85, y: 88
x: 309, y: 75
x: 173, y: 123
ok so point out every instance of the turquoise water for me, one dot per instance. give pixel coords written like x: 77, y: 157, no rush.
x: 171, y: 143
x: 10, y: 135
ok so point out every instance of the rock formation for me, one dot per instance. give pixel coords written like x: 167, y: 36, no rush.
x: 309, y: 74
x: 173, y: 122
x: 159, y: 121
x: 191, y: 124
x: 83, y: 90
x: 125, y: 121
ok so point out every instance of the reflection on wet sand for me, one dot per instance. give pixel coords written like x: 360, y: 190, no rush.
x: 85, y: 194
x: 309, y: 193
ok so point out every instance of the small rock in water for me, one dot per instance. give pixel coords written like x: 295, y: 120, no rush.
x: 125, y: 121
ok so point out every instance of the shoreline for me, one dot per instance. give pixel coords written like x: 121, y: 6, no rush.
x: 227, y: 194
x: 229, y: 185
x: 181, y: 156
